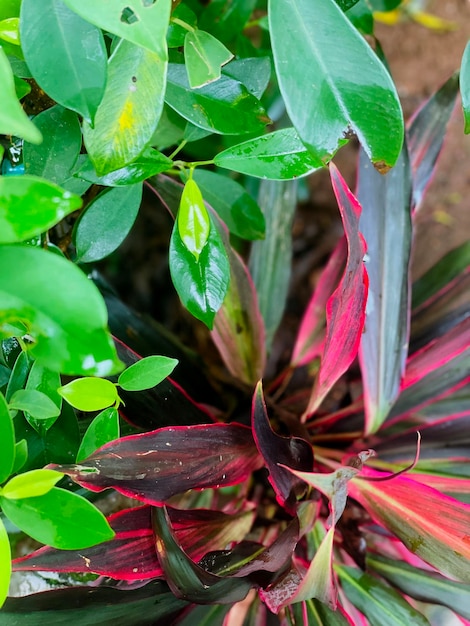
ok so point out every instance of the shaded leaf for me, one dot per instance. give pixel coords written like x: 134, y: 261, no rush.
x: 386, y: 226
x: 204, y: 56
x: 279, y: 452
x: 154, y: 466
x: 431, y: 525
x: 106, y: 222
x: 60, y: 518
x: 34, y: 402
x: 425, y: 136
x: 305, y: 53
x: 320, y: 615
x: 146, y: 373
x: 226, y: 19
x: 381, y: 604
x: 7, y: 434
x: 47, y: 381
x: 345, y: 309
x: 30, y: 206
x: 65, y: 53
x: 142, y: 23
x: 103, y: 428
x: 225, y: 106
x: 13, y: 120
x: 71, y: 339
x: 130, y: 109
x: 29, y: 484
x: 280, y: 155
x: 253, y: 72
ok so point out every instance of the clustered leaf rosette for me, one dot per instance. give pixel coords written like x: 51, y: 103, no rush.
x: 317, y: 512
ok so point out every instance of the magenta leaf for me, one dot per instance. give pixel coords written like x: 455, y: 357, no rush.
x: 310, y: 337
x: 278, y: 451
x: 425, y: 135
x: 345, y: 311
x: 386, y: 225
x: 431, y: 525
x: 154, y: 466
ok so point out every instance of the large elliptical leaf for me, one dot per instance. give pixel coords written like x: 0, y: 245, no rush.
x: 328, y: 91
x: 131, y: 107
x: 386, y: 226
x: 65, y: 53
x: 65, y: 314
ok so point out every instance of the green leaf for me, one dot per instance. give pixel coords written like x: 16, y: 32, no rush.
x: 33, y: 483
x: 233, y: 204
x: 176, y: 31
x: 270, y: 260
x: 226, y: 19
x: 106, y: 222
x: 225, y: 106
x: 90, y: 394
x: 65, y: 53
x: 55, y: 157
x: 204, y: 56
x: 19, y: 374
x: 60, y: 519
x: 423, y: 585
x: 381, y: 604
x: 465, y: 86
x: 346, y: 91
x: 146, y: 373
x: 36, y: 403
x: 7, y: 437
x: 201, y: 284
x: 21, y: 455
x: 131, y: 107
x: 149, y: 163
x: 5, y: 563
x: 30, y: 205
x: 278, y: 156
x: 141, y: 22
x: 13, y: 120
x: 9, y: 8
x: 65, y: 314
x: 320, y: 615
x: 104, y: 428
x: 193, y: 219
x: 9, y: 30
x: 43, y: 379
x: 22, y: 88
x: 254, y: 73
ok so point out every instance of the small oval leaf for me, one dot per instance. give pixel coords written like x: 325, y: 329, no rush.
x: 193, y: 219
x: 103, y: 429
x: 34, y: 402
x: 33, y: 483
x: 90, y: 394
x: 146, y: 373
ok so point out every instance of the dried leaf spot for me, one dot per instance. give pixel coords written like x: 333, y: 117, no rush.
x: 382, y: 167
x: 128, y: 16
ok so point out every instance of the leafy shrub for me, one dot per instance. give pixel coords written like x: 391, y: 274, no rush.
x: 342, y: 495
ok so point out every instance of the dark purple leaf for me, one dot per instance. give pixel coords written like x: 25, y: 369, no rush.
x: 425, y: 135
x: 154, y: 466
x: 345, y: 310
x: 293, y: 452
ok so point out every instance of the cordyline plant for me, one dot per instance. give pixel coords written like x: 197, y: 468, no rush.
x: 341, y: 496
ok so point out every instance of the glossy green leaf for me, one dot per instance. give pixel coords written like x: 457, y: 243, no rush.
x: 386, y: 226
x: 55, y: 157
x: 9, y: 8
x: 9, y: 30
x: 149, y: 163
x: 204, y: 56
x: 65, y: 316
x: 233, y: 204
x: 106, y: 222
x: 146, y: 373
x: 7, y: 436
x: 225, y: 106
x: 33, y: 483
x: 424, y: 585
x: 36, y: 403
x: 270, y: 260
x: 19, y: 374
x: 465, y: 86
x: 47, y: 381
x: 193, y: 219
x: 90, y: 394
x: 181, y: 17
x: 30, y: 205
x: 362, y: 17
x: 21, y: 455
x: 278, y: 156
x: 201, y: 284
x: 143, y: 23
x: 104, y: 428
x: 350, y: 91
x: 381, y: 604
x: 60, y: 519
x: 253, y: 72
x: 131, y: 107
x: 65, y: 53
x: 13, y: 120
x: 5, y: 563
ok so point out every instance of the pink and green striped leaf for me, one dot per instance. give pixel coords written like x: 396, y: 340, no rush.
x: 154, y: 466
x: 431, y: 525
x: 345, y: 310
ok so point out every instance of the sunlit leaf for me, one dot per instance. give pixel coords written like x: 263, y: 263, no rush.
x: 146, y: 373
x: 7, y: 435
x: 47, y: 381
x: 103, y: 428
x: 193, y: 219
x: 5, y: 563
x: 65, y: 53
x: 29, y: 484
x: 204, y: 56
x: 89, y: 394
